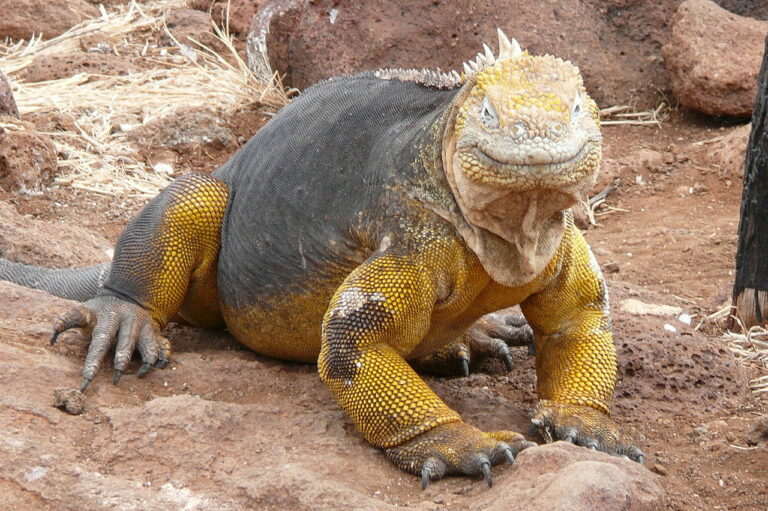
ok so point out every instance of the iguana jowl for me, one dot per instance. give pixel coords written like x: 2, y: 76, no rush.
x: 371, y: 223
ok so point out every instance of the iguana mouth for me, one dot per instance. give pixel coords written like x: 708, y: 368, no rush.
x: 478, y: 165
x: 569, y: 162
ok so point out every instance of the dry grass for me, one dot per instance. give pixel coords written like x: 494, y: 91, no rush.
x: 749, y: 346
x: 625, y: 114
x: 97, y: 156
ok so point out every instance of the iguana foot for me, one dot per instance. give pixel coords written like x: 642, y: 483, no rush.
x: 490, y: 337
x: 584, y: 426
x: 456, y: 448
x: 110, y: 321
x: 510, y: 328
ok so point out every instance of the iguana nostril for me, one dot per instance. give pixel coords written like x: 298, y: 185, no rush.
x: 519, y: 130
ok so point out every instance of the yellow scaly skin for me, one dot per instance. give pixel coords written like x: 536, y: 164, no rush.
x: 520, y: 144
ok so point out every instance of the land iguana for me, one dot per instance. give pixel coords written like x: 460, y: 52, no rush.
x: 369, y: 224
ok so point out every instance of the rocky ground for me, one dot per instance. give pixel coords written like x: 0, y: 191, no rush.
x: 223, y: 428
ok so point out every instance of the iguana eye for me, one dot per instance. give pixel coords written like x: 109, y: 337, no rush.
x: 576, y: 110
x: 488, y: 115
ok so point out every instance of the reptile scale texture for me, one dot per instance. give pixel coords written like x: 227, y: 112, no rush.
x: 371, y: 227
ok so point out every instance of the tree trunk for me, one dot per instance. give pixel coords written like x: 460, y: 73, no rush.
x: 750, y: 289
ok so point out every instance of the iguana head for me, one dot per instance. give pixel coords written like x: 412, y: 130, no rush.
x: 525, y: 121
x: 521, y: 145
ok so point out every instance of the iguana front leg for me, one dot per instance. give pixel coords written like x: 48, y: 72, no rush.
x: 575, y: 355
x: 378, y: 316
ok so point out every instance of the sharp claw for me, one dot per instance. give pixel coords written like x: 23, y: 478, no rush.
x: 641, y: 459
x: 508, y: 361
x: 425, y: 475
x: 568, y: 438
x: 117, y: 376
x: 143, y: 370
x: 486, y: 468
x: 465, y: 367
x: 508, y: 454
x: 86, y: 381
x: 54, y: 336
x: 160, y: 364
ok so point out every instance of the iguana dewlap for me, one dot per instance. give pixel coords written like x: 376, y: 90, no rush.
x: 371, y: 223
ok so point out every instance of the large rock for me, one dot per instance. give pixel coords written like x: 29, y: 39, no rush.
x: 564, y: 477
x: 27, y: 158
x: 22, y: 20
x: 713, y: 58
x: 617, y: 47
x: 7, y: 103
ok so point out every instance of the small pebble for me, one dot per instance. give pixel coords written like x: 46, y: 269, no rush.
x: 70, y: 400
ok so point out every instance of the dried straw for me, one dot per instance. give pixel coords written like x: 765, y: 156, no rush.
x: 626, y: 115
x: 98, y: 157
x: 749, y: 347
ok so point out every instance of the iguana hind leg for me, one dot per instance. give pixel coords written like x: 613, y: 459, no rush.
x: 490, y: 337
x: 164, y: 266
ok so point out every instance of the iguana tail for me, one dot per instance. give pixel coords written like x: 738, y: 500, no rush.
x: 78, y: 284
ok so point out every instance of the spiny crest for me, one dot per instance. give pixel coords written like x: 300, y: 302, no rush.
x: 429, y: 77
x: 437, y: 79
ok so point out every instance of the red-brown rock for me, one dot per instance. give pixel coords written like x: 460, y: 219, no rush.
x: 57, y: 66
x: 7, y: 103
x: 713, y: 58
x: 615, y: 44
x: 562, y: 476
x: 27, y: 158
x: 192, y: 28
x: 22, y: 20
x: 240, y: 14
x: 187, y: 129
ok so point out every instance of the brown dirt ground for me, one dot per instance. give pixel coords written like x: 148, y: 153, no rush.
x: 672, y: 234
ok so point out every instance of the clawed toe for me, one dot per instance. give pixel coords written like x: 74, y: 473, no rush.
x: 77, y: 317
x: 143, y: 370
x: 431, y: 469
x: 486, y: 468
